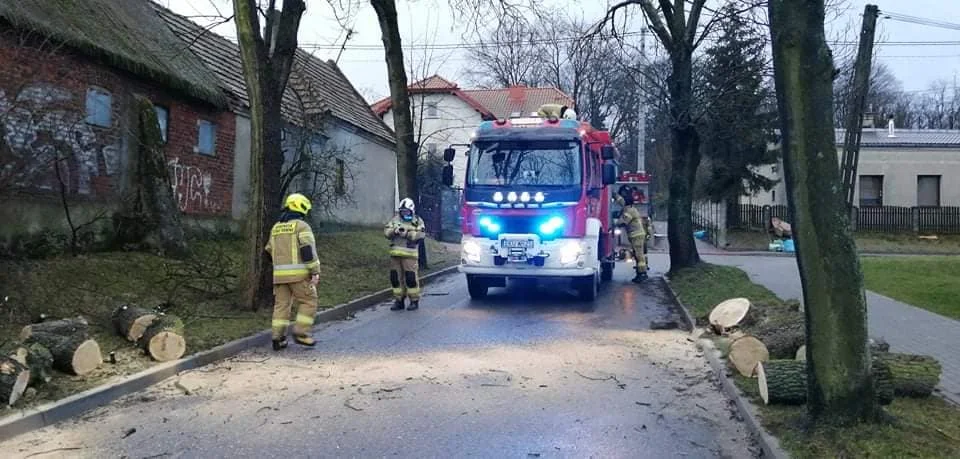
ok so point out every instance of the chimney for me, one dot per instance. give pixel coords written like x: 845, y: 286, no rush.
x: 891, y: 131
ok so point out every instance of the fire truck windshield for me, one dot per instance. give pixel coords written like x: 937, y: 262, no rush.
x: 540, y: 163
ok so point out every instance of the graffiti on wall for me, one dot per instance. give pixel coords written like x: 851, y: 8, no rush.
x: 42, y: 129
x: 193, y: 188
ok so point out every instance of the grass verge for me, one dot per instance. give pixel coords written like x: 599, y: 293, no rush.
x: 866, y: 242
x: 928, y: 427
x: 930, y: 283
x: 199, y: 289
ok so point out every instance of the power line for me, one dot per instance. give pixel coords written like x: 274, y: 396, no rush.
x: 921, y: 21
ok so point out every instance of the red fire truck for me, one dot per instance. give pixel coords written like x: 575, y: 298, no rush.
x: 537, y: 203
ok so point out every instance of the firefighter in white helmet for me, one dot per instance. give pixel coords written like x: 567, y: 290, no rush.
x: 405, y: 231
x: 296, y: 271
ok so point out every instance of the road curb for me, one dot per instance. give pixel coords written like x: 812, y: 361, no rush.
x: 770, y: 445
x: 51, y: 413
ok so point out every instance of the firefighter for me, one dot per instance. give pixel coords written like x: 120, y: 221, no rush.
x: 556, y: 111
x: 631, y: 220
x: 296, y: 272
x: 405, y: 231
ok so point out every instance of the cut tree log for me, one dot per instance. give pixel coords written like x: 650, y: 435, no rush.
x: 801, y: 353
x: 131, y: 321
x: 14, y: 378
x: 784, y: 382
x: 913, y: 375
x: 782, y: 340
x: 745, y: 353
x: 728, y: 314
x: 38, y: 359
x: 74, y: 354
x: 163, y: 340
x: 72, y: 326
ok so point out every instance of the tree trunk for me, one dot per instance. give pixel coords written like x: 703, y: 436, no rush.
x: 72, y: 353
x: 73, y: 326
x: 38, y: 359
x: 685, y: 144
x: 130, y: 322
x: 913, y: 375
x: 267, y: 61
x: 163, y: 340
x: 840, y: 388
x: 14, y: 378
x: 399, y: 97
x: 785, y: 382
x: 149, y: 216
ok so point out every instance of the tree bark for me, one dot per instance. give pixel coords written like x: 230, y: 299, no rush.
x: 14, y: 378
x: 130, y: 322
x: 267, y: 61
x: 72, y: 326
x: 399, y: 97
x: 72, y: 353
x: 840, y: 388
x: 913, y: 375
x: 785, y: 382
x: 782, y: 340
x: 36, y: 358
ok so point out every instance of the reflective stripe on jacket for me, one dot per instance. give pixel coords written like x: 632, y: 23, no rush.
x: 288, y: 242
x: 405, y: 243
x: 631, y: 218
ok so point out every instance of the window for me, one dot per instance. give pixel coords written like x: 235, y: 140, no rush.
x: 521, y: 163
x: 206, y: 138
x: 432, y: 149
x: 99, y: 107
x: 773, y: 196
x: 871, y: 190
x: 928, y: 190
x: 432, y: 111
x: 163, y: 118
x: 340, y: 187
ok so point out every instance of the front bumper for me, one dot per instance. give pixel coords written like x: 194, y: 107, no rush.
x: 550, y: 258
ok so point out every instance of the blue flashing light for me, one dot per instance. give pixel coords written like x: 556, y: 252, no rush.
x: 573, y: 124
x: 485, y: 126
x: 489, y: 225
x: 551, y: 226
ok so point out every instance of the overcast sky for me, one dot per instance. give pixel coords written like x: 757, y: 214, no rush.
x: 430, y: 23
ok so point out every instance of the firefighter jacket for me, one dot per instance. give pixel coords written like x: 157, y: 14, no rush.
x: 293, y: 249
x: 631, y: 218
x: 404, y: 236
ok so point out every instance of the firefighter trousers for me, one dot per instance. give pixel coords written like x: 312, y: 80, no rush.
x: 404, y: 278
x: 639, y: 254
x: 305, y: 295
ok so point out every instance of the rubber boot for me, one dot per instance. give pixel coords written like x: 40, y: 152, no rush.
x: 414, y: 305
x: 397, y: 305
x: 639, y: 277
x: 279, y: 344
x: 305, y: 340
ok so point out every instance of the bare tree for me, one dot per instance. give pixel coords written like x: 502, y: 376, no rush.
x: 267, y: 56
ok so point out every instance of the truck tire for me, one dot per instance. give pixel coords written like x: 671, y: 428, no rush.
x: 588, y: 288
x: 477, y: 287
x: 606, y: 271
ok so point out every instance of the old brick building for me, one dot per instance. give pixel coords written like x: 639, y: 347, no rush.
x: 67, y: 84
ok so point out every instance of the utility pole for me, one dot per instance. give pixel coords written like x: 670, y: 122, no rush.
x: 642, y: 118
x: 857, y: 98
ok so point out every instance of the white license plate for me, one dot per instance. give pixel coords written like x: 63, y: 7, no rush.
x: 517, y: 243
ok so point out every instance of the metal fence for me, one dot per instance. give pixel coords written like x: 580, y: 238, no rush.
x: 879, y: 219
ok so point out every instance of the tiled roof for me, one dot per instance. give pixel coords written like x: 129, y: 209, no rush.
x: 125, y: 34
x: 916, y: 138
x: 321, y: 86
x: 499, y: 103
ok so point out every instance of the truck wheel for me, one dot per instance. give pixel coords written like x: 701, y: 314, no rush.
x: 588, y: 287
x: 606, y: 271
x: 477, y: 287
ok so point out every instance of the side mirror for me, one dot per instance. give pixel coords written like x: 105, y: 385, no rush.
x: 449, y: 154
x: 447, y: 174
x: 609, y: 174
x: 607, y: 152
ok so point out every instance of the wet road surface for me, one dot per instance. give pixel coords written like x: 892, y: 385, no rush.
x: 532, y: 374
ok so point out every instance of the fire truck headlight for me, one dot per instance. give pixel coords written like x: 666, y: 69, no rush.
x: 538, y: 197
x: 617, y: 231
x: 570, y: 252
x: 550, y: 226
x: 525, y: 197
x: 489, y: 225
x: 512, y: 196
x: 498, y: 197
x: 471, y: 251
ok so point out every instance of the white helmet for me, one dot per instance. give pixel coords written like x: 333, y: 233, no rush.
x: 407, y: 204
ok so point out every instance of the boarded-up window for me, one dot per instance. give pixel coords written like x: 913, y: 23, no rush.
x: 871, y: 190
x: 928, y: 190
x: 99, y: 107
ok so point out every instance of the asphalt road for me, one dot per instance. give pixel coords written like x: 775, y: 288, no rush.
x: 522, y: 374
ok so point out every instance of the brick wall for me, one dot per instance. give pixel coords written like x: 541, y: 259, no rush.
x: 43, y: 96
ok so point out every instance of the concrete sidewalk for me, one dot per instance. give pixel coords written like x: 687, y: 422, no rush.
x: 907, y: 328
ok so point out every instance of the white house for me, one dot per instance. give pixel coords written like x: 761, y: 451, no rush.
x: 444, y: 114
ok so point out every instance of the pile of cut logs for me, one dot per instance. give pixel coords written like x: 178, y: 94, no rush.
x: 774, y: 352
x: 61, y: 344
x: 159, y: 335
